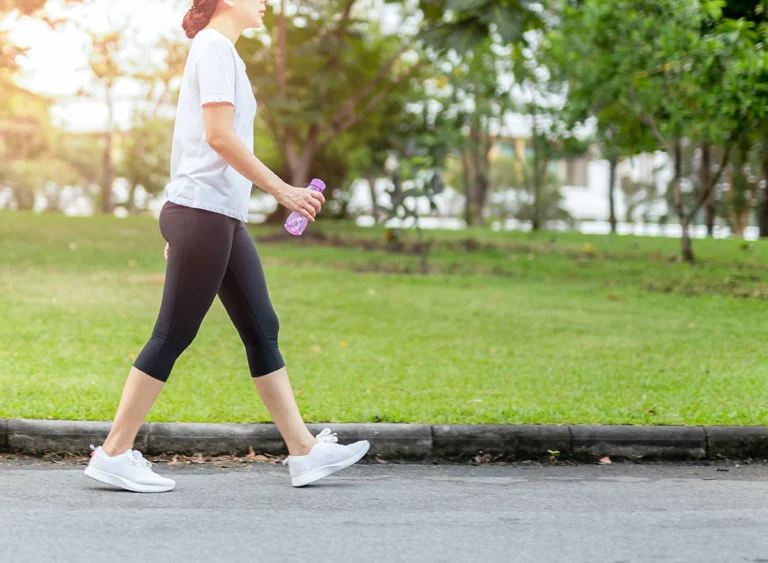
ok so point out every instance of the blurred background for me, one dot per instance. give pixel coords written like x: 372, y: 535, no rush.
x: 539, y: 211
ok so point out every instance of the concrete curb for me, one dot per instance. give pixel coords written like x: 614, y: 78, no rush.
x: 634, y: 442
x: 3, y: 434
x: 587, y: 443
x: 43, y: 436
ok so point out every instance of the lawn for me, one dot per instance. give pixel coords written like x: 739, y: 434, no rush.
x: 506, y: 327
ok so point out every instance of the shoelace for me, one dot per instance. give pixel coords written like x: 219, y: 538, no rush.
x: 138, y: 460
x: 325, y: 438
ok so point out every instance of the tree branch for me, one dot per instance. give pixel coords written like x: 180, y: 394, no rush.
x: 650, y: 121
x: 356, y: 116
x: 281, y: 48
x: 734, y: 137
x: 348, y: 107
x: 338, y: 31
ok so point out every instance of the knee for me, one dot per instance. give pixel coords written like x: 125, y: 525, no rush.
x: 176, y: 340
x: 262, y: 334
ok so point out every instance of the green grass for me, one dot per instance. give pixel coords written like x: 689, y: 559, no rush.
x: 544, y: 328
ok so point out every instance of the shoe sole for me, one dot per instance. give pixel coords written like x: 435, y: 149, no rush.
x: 317, y: 474
x: 115, y: 481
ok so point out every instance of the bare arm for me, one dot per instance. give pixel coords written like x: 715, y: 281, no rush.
x: 222, y: 138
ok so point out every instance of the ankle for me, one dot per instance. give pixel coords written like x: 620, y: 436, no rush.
x: 113, y: 450
x: 301, y: 448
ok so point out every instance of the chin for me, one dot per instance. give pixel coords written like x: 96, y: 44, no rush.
x: 257, y: 21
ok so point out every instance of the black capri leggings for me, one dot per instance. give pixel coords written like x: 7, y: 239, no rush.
x: 210, y: 254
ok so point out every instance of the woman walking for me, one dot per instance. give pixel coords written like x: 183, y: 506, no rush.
x: 210, y: 252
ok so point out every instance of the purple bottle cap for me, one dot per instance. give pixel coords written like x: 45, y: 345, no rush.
x: 317, y: 183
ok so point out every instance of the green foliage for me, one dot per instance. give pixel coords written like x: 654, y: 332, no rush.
x: 147, y: 155
x: 335, y: 83
x: 677, y: 66
x: 413, y: 178
x: 462, y: 25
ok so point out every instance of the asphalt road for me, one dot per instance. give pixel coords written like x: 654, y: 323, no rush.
x: 420, y: 513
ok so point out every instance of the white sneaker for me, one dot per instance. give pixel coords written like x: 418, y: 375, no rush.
x: 325, y: 457
x: 128, y: 471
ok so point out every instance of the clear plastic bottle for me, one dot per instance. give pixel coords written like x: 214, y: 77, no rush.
x: 296, y: 223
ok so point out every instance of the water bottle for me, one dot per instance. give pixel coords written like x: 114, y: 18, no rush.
x: 296, y: 222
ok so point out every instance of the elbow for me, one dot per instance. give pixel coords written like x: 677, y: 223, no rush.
x: 216, y: 140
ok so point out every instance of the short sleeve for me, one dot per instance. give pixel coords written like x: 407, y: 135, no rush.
x: 216, y: 74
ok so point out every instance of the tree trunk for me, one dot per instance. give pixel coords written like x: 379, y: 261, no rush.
x: 537, y: 179
x: 762, y: 218
x: 299, y: 171
x: 687, y: 246
x: 613, y: 163
x: 25, y: 198
x: 536, y: 223
x: 109, y: 175
x: 467, y: 188
x: 109, y: 170
x: 131, y: 203
x: 741, y: 191
x: 374, y: 200
x: 686, y: 242
x: 706, y: 177
x: 480, y: 191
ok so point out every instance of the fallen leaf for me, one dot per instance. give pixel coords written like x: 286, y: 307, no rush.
x: 492, y: 350
x: 612, y: 297
x: 650, y: 411
x: 316, y: 348
x: 605, y: 460
x: 371, y: 291
x: 252, y: 456
x: 73, y: 246
x: 691, y: 325
x: 382, y: 461
x: 483, y: 458
x: 343, y: 344
x: 131, y: 356
x: 175, y: 461
x: 131, y: 262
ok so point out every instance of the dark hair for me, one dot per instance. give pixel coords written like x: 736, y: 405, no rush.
x: 198, y: 16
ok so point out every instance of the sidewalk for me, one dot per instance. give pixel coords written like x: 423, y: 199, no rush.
x: 440, y: 441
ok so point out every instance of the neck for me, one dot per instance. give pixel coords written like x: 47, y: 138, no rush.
x: 226, y: 27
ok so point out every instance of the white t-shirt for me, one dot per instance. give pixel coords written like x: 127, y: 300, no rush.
x: 200, y: 178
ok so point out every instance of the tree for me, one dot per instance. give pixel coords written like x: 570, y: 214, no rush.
x: 323, y: 72
x: 463, y: 25
x: 684, y: 85
x: 617, y: 132
x: 479, y: 34
x: 105, y: 64
x: 475, y: 103
x: 147, y: 150
x: 752, y: 11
